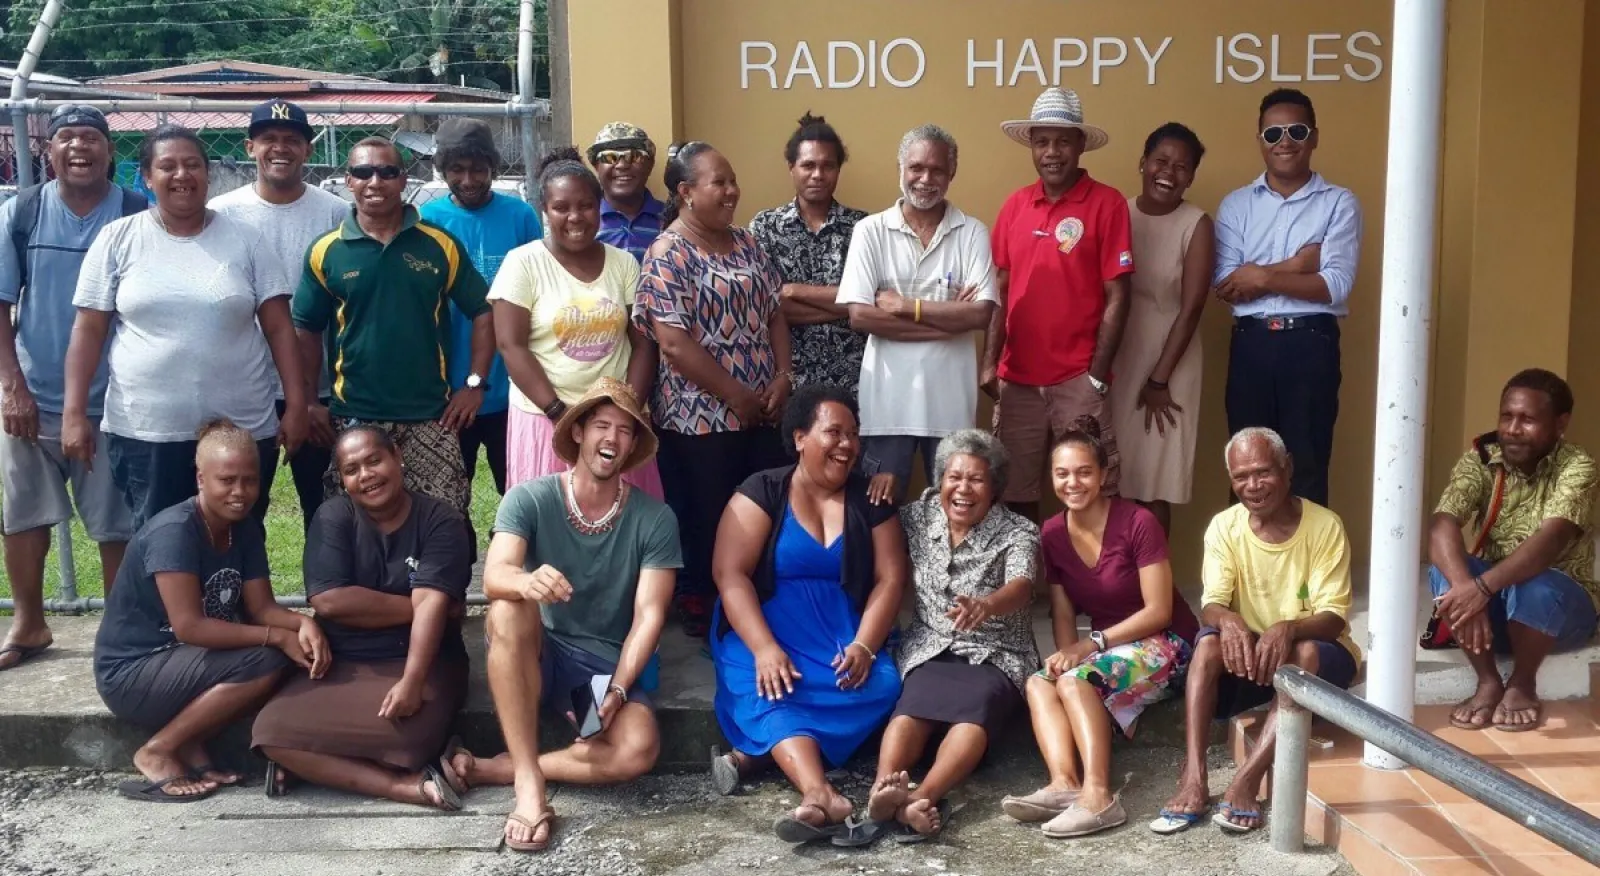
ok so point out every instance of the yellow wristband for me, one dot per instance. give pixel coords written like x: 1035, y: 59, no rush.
x: 918, y: 316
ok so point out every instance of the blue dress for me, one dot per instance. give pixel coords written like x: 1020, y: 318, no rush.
x: 812, y: 620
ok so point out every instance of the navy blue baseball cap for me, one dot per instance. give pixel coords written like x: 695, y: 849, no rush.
x: 280, y: 113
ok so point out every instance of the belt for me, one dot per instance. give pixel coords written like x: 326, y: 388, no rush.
x: 1289, y: 323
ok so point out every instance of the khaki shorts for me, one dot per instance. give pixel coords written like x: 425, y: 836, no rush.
x: 35, y: 475
x: 1028, y: 420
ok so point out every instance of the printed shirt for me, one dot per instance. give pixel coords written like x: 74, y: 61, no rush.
x: 386, y: 308
x: 488, y: 233
x: 1562, y: 486
x: 829, y: 352
x: 634, y: 235
x: 1060, y: 254
x: 724, y: 302
x: 1256, y: 225
x: 1268, y: 583
x: 1003, y: 547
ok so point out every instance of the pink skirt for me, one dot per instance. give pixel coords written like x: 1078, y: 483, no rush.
x: 531, y: 454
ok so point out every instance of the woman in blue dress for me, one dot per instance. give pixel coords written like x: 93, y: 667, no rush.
x: 809, y: 573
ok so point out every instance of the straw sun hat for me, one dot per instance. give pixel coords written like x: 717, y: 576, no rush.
x: 1056, y: 108
x: 606, y: 390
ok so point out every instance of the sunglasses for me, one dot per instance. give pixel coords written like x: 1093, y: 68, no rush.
x: 1298, y: 132
x: 72, y: 109
x: 381, y: 171
x: 619, y: 156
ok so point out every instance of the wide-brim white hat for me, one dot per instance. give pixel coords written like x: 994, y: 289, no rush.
x: 1056, y: 108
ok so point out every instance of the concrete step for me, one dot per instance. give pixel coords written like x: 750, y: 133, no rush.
x: 51, y: 716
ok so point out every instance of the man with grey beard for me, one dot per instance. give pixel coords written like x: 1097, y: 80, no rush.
x: 919, y: 280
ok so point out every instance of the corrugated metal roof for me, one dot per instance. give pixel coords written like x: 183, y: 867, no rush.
x: 139, y: 121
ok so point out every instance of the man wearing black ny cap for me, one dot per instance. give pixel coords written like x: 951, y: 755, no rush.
x: 290, y: 215
x: 44, y: 233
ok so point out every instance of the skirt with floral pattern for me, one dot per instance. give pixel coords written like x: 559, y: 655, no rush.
x: 1136, y: 675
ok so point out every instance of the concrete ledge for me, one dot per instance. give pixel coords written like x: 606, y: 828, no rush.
x: 51, y: 715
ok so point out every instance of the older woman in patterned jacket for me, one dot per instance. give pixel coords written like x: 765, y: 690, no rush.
x: 969, y: 650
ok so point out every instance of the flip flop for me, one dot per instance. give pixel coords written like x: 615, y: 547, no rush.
x: 796, y: 832
x: 863, y: 832
x: 1225, y: 815
x: 724, y: 772
x: 24, y: 653
x: 275, y: 775
x: 449, y: 800
x: 907, y: 836
x: 198, y: 773
x: 1538, y: 720
x: 154, y: 792
x: 534, y: 825
x: 1172, y: 822
x: 460, y: 785
x: 1469, y: 724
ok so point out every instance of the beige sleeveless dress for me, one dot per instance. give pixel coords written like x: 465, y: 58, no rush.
x: 1156, y: 467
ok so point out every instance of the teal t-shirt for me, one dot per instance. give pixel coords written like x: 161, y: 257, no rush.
x: 603, y: 569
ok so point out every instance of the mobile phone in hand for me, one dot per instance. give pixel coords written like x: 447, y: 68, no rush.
x: 586, y: 700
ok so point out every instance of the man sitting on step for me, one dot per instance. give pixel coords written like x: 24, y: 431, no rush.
x: 579, y: 575
x: 1527, y: 587
x: 1277, y: 592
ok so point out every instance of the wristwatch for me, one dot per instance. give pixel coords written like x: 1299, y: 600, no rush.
x: 1099, y: 640
x: 1099, y: 385
x: 474, y: 381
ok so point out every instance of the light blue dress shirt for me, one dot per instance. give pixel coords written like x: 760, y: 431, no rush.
x: 1256, y: 225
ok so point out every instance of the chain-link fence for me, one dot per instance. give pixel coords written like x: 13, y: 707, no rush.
x: 73, y: 579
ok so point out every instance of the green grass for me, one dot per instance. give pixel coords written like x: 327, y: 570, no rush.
x: 285, y: 540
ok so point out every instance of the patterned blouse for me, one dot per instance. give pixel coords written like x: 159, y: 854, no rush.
x: 828, y: 352
x: 1563, y: 485
x: 724, y: 302
x: 1001, y: 549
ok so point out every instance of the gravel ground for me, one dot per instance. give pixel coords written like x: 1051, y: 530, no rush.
x: 71, y: 822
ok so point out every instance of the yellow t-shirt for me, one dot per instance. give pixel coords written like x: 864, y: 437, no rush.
x: 1270, y: 583
x: 580, y: 330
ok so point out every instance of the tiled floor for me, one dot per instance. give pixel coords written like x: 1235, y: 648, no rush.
x: 1407, y: 822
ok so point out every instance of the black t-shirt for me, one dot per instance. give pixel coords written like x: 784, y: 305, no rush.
x: 135, y: 623
x: 345, y: 549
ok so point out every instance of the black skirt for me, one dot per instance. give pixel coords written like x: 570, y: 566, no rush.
x: 949, y: 690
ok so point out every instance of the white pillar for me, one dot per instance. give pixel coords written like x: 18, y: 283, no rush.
x: 1410, y: 207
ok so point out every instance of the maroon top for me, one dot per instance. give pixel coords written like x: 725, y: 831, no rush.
x: 1109, y: 592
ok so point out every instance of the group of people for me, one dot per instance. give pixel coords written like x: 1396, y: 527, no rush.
x: 683, y: 413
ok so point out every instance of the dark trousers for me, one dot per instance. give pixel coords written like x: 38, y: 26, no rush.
x: 155, y: 475
x: 699, y: 474
x: 489, y: 432
x: 1288, y: 380
x: 306, y: 467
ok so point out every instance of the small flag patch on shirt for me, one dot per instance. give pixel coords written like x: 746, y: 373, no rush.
x: 1125, y: 260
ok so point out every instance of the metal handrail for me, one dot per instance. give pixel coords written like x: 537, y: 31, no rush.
x: 1548, y: 816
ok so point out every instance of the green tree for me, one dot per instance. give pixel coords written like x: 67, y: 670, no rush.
x: 112, y: 37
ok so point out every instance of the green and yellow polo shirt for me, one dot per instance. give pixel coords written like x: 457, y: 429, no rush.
x: 386, y: 308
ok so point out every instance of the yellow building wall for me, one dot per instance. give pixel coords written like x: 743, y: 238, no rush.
x: 1584, y: 331
x: 1509, y: 218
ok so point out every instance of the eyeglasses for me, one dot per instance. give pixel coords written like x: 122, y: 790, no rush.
x: 619, y: 156
x: 381, y: 171
x: 1298, y: 132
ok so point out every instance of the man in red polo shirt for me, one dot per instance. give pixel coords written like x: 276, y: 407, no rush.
x: 1063, y: 251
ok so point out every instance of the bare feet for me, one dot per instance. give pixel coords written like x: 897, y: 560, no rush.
x: 158, y: 766
x: 888, y: 796
x: 1242, y: 800
x: 824, y: 807
x: 1474, y: 712
x: 528, y: 826
x: 1519, y: 710
x: 1192, y: 798
x: 464, y: 765
x: 921, y: 816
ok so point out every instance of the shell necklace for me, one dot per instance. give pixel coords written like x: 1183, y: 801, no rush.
x: 593, y: 527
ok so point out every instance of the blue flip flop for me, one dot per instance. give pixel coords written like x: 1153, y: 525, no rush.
x: 1172, y: 822
x: 1224, y: 818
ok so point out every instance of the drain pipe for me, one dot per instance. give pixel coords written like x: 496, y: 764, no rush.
x: 19, y: 89
x: 525, y: 81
